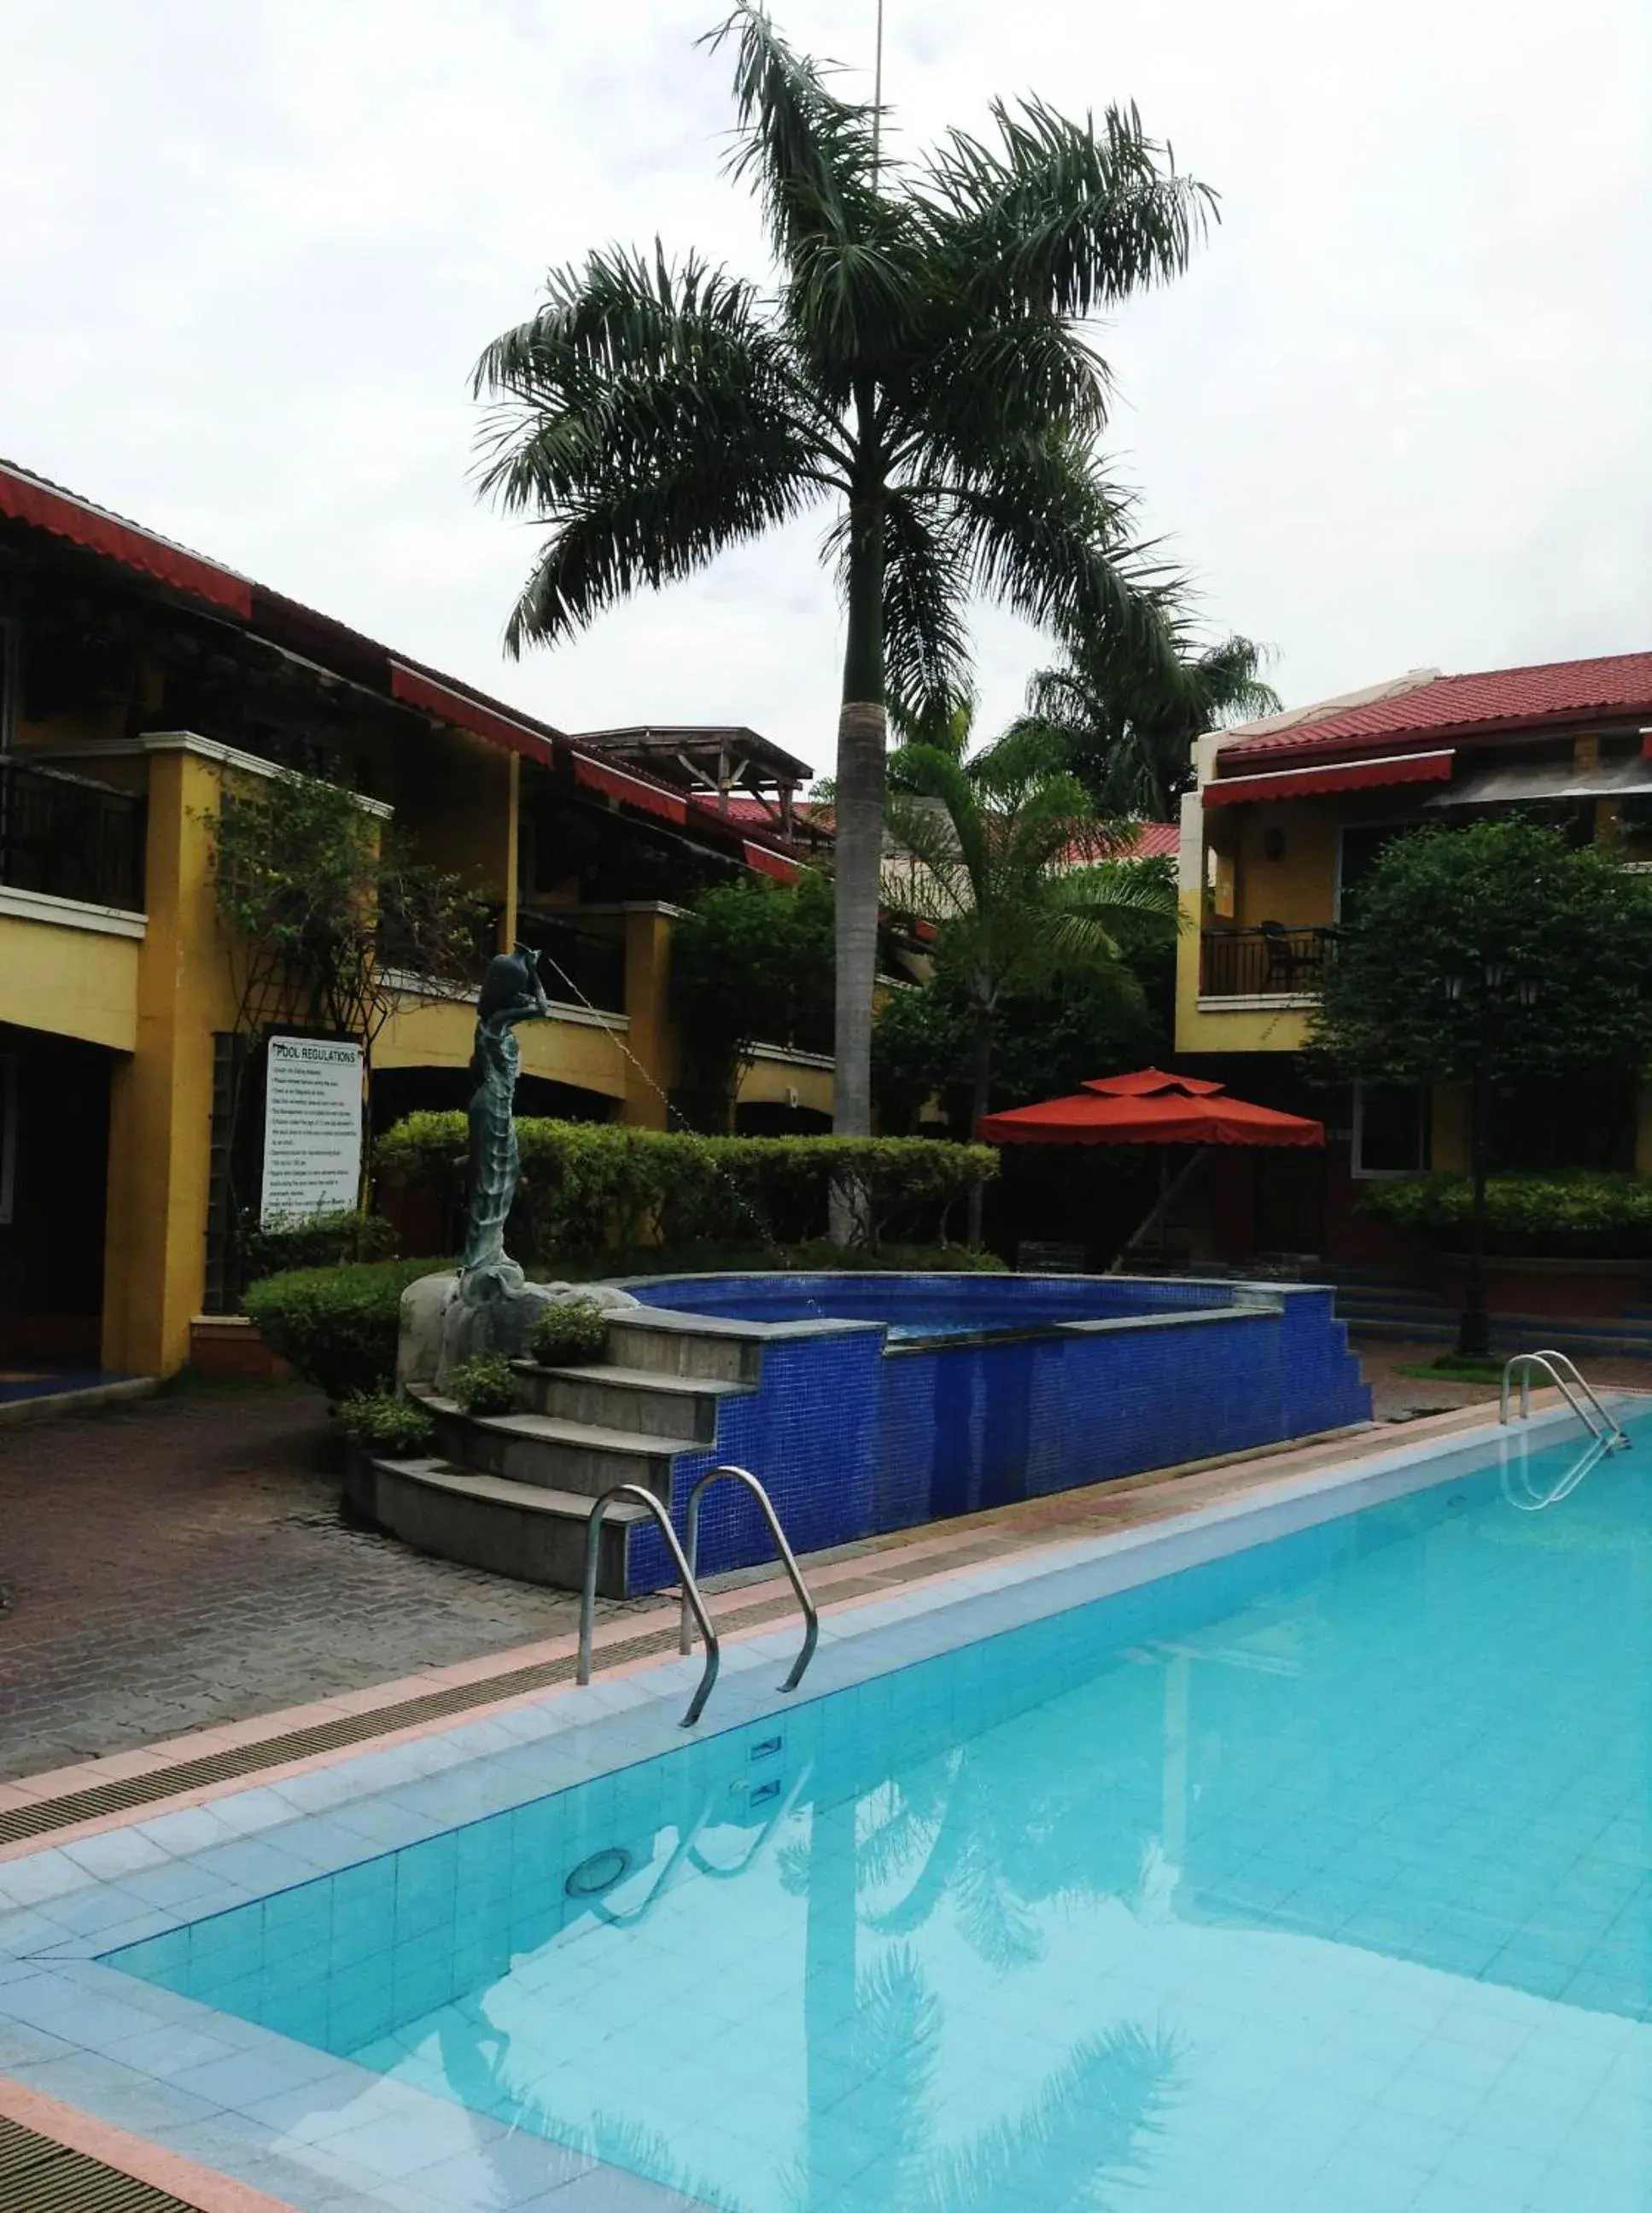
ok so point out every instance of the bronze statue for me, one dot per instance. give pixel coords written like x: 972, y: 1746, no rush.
x: 511, y: 993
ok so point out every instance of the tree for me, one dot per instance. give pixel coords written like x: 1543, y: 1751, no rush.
x: 1129, y: 727
x: 1482, y: 957
x: 920, y: 366
x: 751, y: 960
x: 991, y: 841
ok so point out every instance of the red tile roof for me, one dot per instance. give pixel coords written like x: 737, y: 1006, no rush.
x: 1617, y: 687
x: 1147, y: 841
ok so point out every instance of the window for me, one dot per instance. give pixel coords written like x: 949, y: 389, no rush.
x: 1361, y: 849
x: 10, y: 681
x: 8, y: 1134
x: 1391, y: 1128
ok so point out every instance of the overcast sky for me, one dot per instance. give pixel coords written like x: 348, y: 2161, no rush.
x: 1397, y: 414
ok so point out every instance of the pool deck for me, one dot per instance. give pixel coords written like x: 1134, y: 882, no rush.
x: 65, y: 1805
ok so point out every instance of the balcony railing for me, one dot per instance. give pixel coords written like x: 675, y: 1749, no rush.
x: 70, y: 837
x: 576, y: 965
x: 1273, y: 962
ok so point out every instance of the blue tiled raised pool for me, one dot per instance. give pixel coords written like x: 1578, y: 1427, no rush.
x: 875, y: 1402
x: 1316, y: 1878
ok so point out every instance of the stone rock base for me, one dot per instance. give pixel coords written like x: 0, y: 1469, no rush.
x: 447, y: 1319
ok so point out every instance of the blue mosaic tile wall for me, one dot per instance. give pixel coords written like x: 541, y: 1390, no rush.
x: 855, y: 1434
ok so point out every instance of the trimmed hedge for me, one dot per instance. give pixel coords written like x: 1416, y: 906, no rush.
x: 591, y: 1186
x: 337, y: 1325
x: 1587, y: 1213
x: 321, y: 1240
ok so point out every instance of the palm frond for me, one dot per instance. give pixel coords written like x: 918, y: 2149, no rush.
x: 652, y: 418
x: 1048, y: 534
x: 926, y: 664
x: 1062, y: 215
x: 1087, y: 2126
x: 851, y: 281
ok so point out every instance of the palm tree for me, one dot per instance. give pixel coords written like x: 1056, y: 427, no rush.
x: 992, y: 843
x: 1129, y: 729
x: 919, y: 366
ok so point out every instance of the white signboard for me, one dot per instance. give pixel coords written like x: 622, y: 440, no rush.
x: 312, y: 1129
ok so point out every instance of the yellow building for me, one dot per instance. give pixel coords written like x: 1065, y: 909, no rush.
x: 137, y: 681
x: 1288, y: 817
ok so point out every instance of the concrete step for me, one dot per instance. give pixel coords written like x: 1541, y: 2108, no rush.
x: 692, y: 1345
x: 637, y: 1400
x: 554, y: 1453
x: 518, y: 1529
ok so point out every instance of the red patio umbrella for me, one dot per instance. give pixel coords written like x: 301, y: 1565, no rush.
x: 1149, y: 1107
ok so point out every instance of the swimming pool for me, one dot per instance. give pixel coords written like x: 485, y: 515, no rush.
x: 1315, y: 1875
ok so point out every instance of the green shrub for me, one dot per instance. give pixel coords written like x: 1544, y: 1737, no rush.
x: 320, y: 1241
x: 590, y: 1187
x: 337, y: 1325
x: 381, y: 1421
x: 484, y: 1385
x: 1585, y: 1212
x: 570, y: 1334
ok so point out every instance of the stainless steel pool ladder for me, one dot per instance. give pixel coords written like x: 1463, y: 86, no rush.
x: 788, y: 1560
x: 1562, y: 1371
x: 691, y: 1592
x: 693, y: 1605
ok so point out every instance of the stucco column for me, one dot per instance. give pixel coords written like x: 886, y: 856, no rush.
x: 161, y: 1102
x: 651, y: 1069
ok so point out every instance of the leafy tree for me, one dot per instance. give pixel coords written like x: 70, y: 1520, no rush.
x: 332, y: 922
x: 992, y: 842
x: 752, y: 960
x: 1047, y: 1039
x: 920, y: 366
x: 1129, y: 726
x: 1483, y: 956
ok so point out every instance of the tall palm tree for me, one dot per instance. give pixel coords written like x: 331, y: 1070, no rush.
x: 1129, y: 728
x: 919, y: 366
x: 992, y: 842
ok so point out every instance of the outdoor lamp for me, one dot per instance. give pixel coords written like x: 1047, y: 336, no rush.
x: 1453, y: 987
x: 1496, y: 975
x: 1526, y: 991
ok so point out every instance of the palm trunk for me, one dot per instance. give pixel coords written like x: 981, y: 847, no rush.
x: 859, y: 844
x: 980, y: 1083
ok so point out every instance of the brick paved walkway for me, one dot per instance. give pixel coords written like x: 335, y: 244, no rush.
x: 181, y: 1562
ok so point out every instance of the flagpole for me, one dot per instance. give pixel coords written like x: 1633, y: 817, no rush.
x: 877, y: 92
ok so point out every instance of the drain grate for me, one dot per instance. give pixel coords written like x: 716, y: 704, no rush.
x: 39, y: 2175
x: 20, y: 1823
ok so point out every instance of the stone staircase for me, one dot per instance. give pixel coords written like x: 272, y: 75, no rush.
x: 513, y: 1492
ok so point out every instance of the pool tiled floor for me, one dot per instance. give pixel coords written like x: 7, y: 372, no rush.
x: 224, y: 1841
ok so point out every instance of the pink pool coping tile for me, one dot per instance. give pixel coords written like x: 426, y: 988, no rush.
x: 1048, y: 1523
x: 199, y: 2186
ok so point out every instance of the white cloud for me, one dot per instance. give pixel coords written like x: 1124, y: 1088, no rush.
x: 1396, y: 413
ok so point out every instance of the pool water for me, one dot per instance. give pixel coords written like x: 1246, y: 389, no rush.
x: 1318, y: 1877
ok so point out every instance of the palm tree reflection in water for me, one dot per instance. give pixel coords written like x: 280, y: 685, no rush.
x: 872, y: 2031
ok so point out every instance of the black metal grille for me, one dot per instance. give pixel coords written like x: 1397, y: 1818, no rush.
x: 40, y: 2176
x: 576, y: 965
x: 70, y: 837
x: 1242, y: 964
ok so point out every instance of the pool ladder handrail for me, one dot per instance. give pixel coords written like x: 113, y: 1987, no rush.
x: 1559, y: 1366
x: 692, y: 1598
x: 788, y: 1561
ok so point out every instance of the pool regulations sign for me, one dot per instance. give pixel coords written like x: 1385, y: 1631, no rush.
x: 312, y: 1129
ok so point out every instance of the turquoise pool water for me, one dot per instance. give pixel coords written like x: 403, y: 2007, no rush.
x: 1319, y: 1877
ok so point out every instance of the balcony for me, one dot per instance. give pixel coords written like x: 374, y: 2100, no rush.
x: 576, y: 966
x: 70, y: 837
x: 1273, y: 961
